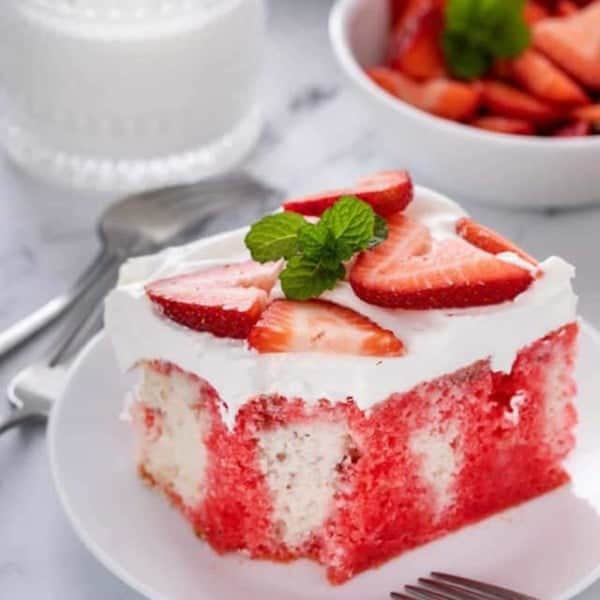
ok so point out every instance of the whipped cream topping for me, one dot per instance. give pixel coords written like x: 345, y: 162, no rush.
x: 438, y: 342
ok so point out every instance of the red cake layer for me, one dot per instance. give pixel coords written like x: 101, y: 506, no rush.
x: 417, y: 466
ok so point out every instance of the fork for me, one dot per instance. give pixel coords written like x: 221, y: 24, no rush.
x: 141, y: 224
x: 443, y: 586
x: 32, y: 390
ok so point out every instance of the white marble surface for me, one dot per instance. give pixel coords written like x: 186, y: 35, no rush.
x: 316, y: 134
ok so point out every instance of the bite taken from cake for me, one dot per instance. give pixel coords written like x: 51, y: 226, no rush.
x: 351, y: 377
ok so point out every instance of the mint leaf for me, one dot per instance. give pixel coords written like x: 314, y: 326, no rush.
x: 316, y: 241
x: 476, y: 32
x: 316, y: 252
x: 313, y: 238
x: 304, y: 278
x: 380, y: 232
x: 467, y: 61
x: 460, y: 14
x: 274, y: 236
x: 351, y: 222
x: 512, y: 40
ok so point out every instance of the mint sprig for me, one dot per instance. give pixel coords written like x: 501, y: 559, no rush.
x: 477, y: 32
x: 316, y: 252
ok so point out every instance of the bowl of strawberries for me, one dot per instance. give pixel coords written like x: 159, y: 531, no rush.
x: 494, y: 101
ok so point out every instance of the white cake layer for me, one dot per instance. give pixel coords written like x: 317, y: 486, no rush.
x: 175, y: 455
x: 439, y: 461
x: 438, y: 342
x: 299, y: 464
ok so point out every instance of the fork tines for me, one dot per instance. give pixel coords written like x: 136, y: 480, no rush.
x: 442, y: 586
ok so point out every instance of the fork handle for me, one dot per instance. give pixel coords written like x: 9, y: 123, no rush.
x: 79, y: 325
x: 27, y: 327
x: 83, y: 321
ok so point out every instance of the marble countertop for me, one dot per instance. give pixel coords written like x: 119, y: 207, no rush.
x: 315, y: 135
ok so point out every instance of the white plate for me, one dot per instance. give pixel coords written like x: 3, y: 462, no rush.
x: 549, y: 547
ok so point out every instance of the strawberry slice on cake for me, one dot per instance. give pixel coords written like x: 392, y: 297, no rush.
x: 387, y: 192
x: 225, y: 300
x: 317, y: 326
x: 489, y: 240
x: 411, y: 270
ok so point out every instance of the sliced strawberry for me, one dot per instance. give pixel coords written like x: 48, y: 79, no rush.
x: 227, y: 312
x: 489, y: 240
x: 411, y: 270
x: 590, y: 114
x: 534, y: 11
x: 391, y: 81
x: 225, y: 301
x: 442, y: 97
x: 575, y: 129
x: 318, y: 326
x: 504, y: 125
x: 405, y: 9
x: 243, y: 274
x: 543, y: 79
x: 573, y: 43
x: 387, y: 192
x: 397, y: 8
x: 507, y: 101
x: 414, y: 42
x: 566, y: 8
x: 501, y: 69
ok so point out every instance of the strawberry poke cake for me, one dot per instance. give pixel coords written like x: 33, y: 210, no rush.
x: 351, y: 377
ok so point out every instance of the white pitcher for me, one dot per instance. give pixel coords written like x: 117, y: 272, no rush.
x: 125, y: 94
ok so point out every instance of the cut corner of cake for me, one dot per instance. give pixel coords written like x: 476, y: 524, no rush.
x: 428, y: 386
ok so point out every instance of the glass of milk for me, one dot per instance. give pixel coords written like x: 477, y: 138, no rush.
x: 129, y: 94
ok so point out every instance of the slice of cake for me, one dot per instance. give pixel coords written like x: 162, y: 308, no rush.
x: 350, y: 384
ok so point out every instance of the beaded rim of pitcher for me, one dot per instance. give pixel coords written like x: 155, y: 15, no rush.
x: 116, y: 12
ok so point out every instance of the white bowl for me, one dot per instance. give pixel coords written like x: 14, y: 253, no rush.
x: 470, y: 164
